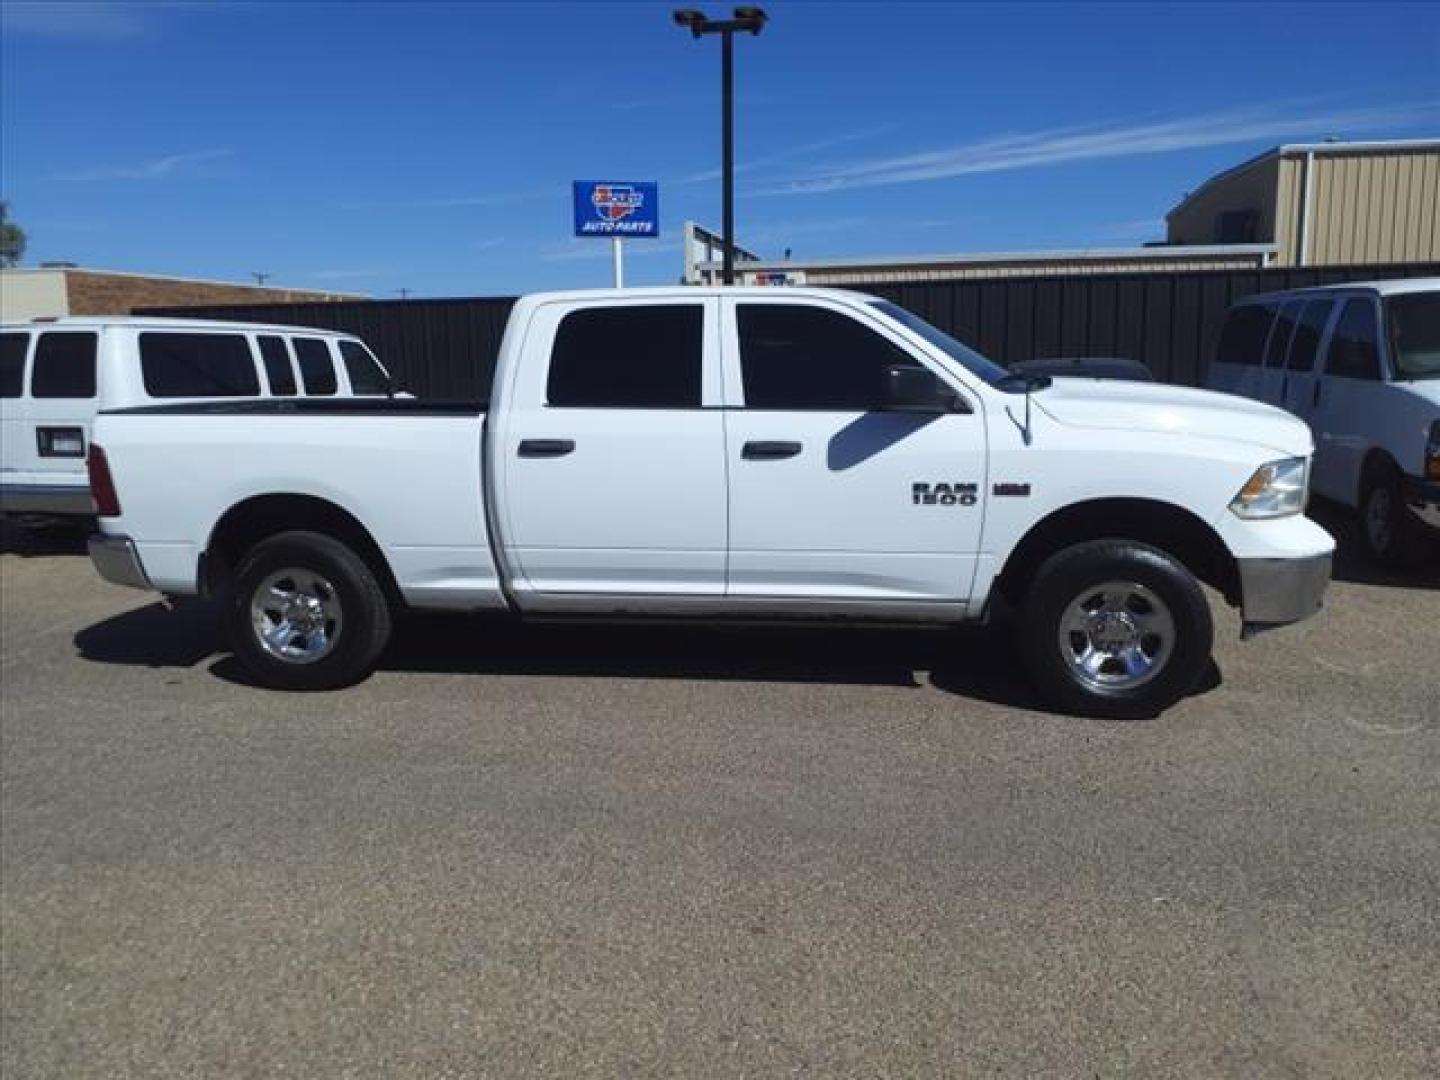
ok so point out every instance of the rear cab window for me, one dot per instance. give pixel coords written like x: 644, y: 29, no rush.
x: 628, y: 357
x: 317, y: 366
x: 64, y: 365
x: 367, y: 377
x: 13, y: 350
x: 191, y: 365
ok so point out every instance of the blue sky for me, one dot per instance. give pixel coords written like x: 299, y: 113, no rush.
x: 373, y: 147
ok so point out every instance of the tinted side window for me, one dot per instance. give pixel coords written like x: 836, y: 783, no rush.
x: 317, y: 369
x: 797, y: 357
x: 12, y: 363
x: 1306, y: 342
x: 628, y: 358
x: 197, y: 365
x: 366, y: 375
x: 1242, y: 340
x: 277, y: 366
x: 1280, y: 336
x: 64, y: 366
x: 1353, y: 351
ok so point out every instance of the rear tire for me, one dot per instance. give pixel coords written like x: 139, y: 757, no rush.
x: 306, y: 613
x: 1114, y: 628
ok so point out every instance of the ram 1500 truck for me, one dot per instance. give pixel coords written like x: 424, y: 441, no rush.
x: 728, y: 453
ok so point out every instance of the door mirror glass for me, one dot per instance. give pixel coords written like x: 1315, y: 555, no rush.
x: 912, y: 388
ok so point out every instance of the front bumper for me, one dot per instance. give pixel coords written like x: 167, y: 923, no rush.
x: 57, y: 499
x: 116, y: 560
x: 1423, y: 499
x: 1276, y: 592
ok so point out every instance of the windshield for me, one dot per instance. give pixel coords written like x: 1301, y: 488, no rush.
x: 961, y: 353
x: 1414, y: 322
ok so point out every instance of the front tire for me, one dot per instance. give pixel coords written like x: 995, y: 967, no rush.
x: 306, y: 613
x: 1389, y: 534
x: 1114, y: 628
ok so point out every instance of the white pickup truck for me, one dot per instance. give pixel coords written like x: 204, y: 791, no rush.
x: 728, y: 453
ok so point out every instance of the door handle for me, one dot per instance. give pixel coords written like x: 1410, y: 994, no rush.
x: 1315, y: 396
x: 769, y: 451
x: 546, y: 447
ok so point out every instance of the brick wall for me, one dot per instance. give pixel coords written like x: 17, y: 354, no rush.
x: 93, y: 293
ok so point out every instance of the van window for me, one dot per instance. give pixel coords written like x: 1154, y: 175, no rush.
x: 12, y: 363
x: 794, y: 356
x: 1354, y: 351
x: 1280, y: 336
x: 317, y: 369
x: 278, y: 371
x: 628, y: 358
x: 1242, y: 340
x: 1414, y: 321
x: 366, y: 375
x: 1308, y: 328
x: 64, y: 365
x: 197, y: 365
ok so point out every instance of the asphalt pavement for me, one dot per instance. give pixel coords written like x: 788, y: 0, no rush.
x: 643, y: 851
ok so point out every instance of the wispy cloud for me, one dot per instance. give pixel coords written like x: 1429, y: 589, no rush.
x: 488, y: 244
x: 1057, y: 146
x: 155, y: 169
x: 488, y: 198
x: 578, y: 250
x: 103, y: 21
x: 355, y: 274
x: 791, y: 153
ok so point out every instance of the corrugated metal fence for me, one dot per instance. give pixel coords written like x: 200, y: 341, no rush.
x: 447, y: 348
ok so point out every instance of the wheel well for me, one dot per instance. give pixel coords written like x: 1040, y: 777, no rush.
x: 1162, y: 525
x: 248, y: 523
x: 1376, y: 461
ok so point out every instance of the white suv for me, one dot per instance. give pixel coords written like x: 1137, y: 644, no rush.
x: 1360, y: 363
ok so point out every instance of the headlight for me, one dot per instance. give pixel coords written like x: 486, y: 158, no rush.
x: 1276, y: 490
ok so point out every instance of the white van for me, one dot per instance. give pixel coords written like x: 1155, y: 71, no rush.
x: 1360, y: 363
x: 55, y: 375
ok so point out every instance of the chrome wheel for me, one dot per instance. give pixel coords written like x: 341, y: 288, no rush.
x: 1379, y: 509
x: 296, y: 615
x: 1116, y: 636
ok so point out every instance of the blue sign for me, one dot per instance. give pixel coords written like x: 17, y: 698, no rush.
x: 615, y: 209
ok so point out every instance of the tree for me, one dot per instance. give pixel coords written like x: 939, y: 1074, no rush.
x: 12, y: 238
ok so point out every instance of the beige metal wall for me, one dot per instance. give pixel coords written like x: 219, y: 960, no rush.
x: 1251, y: 188
x: 32, y: 294
x: 1373, y: 207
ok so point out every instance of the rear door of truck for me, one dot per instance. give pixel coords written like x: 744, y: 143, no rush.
x: 612, y: 451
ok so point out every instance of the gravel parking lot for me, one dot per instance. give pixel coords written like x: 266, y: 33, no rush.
x: 687, y: 852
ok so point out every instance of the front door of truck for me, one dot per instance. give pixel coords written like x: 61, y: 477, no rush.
x: 613, y: 471
x: 832, y: 497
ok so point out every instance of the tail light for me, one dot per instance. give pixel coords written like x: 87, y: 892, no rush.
x: 102, y: 484
x: 1432, y: 453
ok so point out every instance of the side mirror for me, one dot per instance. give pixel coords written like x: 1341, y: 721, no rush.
x: 912, y: 388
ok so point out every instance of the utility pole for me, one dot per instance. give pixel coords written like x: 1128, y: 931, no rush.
x: 260, y: 278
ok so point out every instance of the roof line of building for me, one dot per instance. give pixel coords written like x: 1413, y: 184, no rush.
x: 1360, y: 146
x: 1158, y: 252
x: 176, y: 277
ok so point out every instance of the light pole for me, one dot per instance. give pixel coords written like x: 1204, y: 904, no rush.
x: 749, y: 20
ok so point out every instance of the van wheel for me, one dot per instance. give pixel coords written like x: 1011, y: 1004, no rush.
x: 1114, y: 628
x: 1385, y: 525
x: 306, y: 613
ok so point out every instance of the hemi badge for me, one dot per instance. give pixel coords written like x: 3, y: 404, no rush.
x: 1016, y: 491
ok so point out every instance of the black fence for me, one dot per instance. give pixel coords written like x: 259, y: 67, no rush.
x: 447, y: 348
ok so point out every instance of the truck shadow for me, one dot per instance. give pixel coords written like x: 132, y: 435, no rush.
x: 1354, y: 566
x: 51, y: 538
x: 968, y: 662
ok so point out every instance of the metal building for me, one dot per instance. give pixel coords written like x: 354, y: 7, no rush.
x: 1323, y: 204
